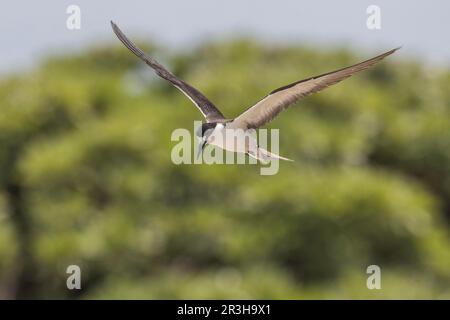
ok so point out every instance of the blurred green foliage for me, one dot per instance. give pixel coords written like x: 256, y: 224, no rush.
x: 86, y: 178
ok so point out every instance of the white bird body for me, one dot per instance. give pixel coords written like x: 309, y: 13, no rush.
x: 232, y: 138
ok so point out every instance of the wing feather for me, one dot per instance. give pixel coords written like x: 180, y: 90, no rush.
x: 278, y: 100
x: 206, y: 107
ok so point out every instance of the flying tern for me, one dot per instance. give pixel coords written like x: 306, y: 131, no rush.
x: 231, y: 134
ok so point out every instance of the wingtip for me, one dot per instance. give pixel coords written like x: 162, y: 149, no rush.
x: 387, y: 53
x: 115, y: 28
x: 113, y: 25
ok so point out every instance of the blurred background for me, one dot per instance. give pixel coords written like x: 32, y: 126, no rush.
x: 86, y: 176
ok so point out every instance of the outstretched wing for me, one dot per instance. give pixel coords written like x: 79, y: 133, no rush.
x: 278, y: 100
x: 206, y: 107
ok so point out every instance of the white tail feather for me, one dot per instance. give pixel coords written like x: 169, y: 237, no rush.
x: 265, y: 155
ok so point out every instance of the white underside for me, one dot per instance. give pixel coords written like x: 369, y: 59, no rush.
x: 233, y: 140
x: 242, y: 141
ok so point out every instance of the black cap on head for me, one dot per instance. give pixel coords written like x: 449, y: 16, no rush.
x: 208, y: 126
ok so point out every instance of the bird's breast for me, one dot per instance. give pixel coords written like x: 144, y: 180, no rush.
x: 237, y: 140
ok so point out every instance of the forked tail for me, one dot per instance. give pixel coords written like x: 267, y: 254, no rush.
x: 265, y: 155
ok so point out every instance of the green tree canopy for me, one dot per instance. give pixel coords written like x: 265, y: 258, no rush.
x: 86, y: 178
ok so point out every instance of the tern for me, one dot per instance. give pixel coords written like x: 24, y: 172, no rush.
x: 216, y: 130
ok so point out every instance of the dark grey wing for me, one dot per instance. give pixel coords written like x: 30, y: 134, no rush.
x: 206, y: 107
x: 278, y: 100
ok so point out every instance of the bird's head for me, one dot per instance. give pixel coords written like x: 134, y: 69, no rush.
x: 204, y: 132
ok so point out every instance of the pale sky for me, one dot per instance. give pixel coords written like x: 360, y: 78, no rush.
x: 31, y: 30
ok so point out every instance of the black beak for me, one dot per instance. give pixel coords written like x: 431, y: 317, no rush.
x: 200, y: 150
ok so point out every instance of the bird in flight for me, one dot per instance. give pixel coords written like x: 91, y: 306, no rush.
x: 231, y: 134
